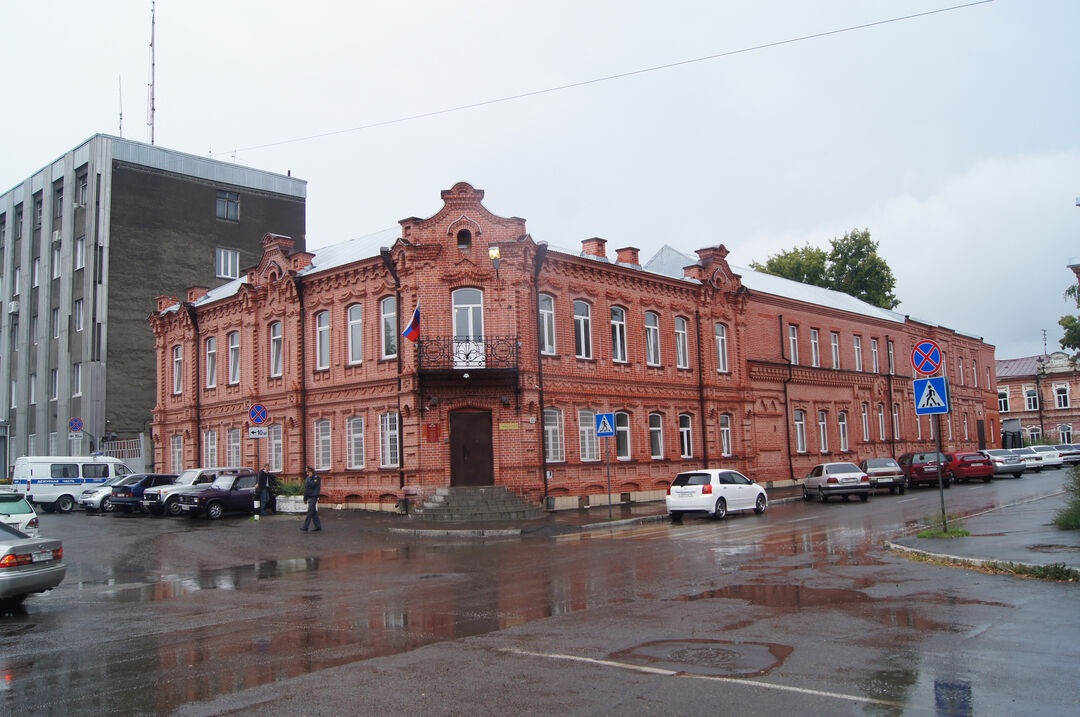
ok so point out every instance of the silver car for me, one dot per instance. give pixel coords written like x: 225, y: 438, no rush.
x: 1006, y: 463
x: 841, y: 478
x: 27, y: 565
x: 97, y: 497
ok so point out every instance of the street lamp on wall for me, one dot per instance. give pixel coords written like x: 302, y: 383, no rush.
x: 493, y: 252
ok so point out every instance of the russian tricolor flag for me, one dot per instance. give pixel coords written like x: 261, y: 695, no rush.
x: 412, y: 331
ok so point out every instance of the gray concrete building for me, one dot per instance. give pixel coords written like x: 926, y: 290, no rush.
x: 86, y: 244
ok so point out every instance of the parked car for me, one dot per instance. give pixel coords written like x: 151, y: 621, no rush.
x: 1032, y: 461
x: 55, y: 482
x: 1006, y: 463
x: 968, y: 465
x: 27, y: 565
x: 99, y: 497
x: 227, y: 494
x: 884, y: 473
x: 923, y: 468
x: 17, y: 511
x: 842, y: 479
x: 1070, y: 454
x: 715, y: 491
x: 166, y: 499
x: 1052, y: 458
x: 127, y: 496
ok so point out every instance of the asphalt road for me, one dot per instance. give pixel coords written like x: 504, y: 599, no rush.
x: 799, y: 610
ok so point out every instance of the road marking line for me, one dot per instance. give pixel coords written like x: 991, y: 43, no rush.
x: 726, y: 680
x: 906, y: 500
x: 801, y: 520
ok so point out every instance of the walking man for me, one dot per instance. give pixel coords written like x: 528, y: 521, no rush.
x: 262, y: 489
x: 312, y: 487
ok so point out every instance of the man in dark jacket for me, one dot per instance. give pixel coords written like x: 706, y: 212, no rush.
x: 262, y: 490
x: 312, y: 487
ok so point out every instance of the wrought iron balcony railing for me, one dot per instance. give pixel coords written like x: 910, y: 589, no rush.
x: 445, y: 353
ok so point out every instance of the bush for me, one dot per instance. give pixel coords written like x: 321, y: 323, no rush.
x: 936, y: 526
x: 1068, y: 518
x: 288, y: 487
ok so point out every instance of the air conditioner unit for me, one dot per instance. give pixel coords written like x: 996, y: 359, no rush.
x: 13, y: 307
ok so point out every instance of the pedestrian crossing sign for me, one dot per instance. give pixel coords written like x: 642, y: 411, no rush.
x: 605, y: 425
x: 931, y: 395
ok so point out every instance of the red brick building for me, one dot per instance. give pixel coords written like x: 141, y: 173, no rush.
x: 1039, y: 398
x: 519, y: 346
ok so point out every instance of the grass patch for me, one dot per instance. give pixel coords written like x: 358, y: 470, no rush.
x: 936, y: 533
x: 939, y: 525
x: 1057, y: 572
x: 1068, y: 518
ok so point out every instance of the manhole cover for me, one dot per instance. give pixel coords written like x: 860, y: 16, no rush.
x: 716, y: 658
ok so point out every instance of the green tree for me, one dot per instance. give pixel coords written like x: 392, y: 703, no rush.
x: 852, y: 266
x: 1071, y: 324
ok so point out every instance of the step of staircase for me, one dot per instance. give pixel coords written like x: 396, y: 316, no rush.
x: 476, y: 503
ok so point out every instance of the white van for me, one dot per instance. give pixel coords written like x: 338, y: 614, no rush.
x: 55, y: 482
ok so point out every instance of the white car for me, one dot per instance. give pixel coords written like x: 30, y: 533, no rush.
x: 1033, y: 461
x: 1050, y: 455
x: 16, y: 511
x: 841, y: 478
x: 714, y: 491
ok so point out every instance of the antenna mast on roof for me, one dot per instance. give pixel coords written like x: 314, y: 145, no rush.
x: 150, y: 87
x: 120, y: 94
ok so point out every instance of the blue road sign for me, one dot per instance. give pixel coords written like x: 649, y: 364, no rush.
x: 605, y: 425
x: 257, y: 414
x: 926, y: 357
x: 75, y: 424
x: 931, y: 395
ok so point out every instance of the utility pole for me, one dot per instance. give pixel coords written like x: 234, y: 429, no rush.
x: 150, y: 88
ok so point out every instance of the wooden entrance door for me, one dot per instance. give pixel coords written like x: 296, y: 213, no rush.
x: 471, y: 460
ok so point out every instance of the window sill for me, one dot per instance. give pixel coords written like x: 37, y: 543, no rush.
x: 589, y: 359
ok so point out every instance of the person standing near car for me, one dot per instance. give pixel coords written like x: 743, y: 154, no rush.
x: 262, y: 489
x: 312, y: 488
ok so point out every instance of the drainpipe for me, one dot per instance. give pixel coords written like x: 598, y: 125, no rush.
x: 198, y: 413
x: 388, y: 261
x: 701, y: 392
x: 787, y: 407
x: 301, y: 339
x: 892, y: 416
x: 541, y: 255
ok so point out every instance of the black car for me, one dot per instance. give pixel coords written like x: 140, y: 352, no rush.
x: 127, y: 496
x: 227, y: 494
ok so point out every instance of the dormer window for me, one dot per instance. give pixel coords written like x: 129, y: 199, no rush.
x: 464, y: 240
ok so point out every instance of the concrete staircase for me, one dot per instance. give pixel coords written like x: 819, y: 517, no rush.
x: 476, y: 503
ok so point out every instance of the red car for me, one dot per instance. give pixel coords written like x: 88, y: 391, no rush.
x: 961, y: 467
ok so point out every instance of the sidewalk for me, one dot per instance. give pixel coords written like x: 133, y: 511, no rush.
x: 1022, y: 533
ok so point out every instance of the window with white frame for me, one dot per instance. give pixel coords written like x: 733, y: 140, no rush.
x: 323, y: 444
x: 227, y: 206
x: 211, y: 362
x: 80, y: 253
x: 652, y: 338
x: 618, y: 334
x: 823, y: 431
x: 53, y: 443
x: 15, y: 278
x: 54, y: 385
x: 1065, y: 433
x: 1061, y: 395
x: 178, y: 369
x: 32, y: 388
x: 356, y: 442
x: 865, y: 421
x: 77, y: 314
x: 874, y: 362
x: 1003, y: 400
x: 686, y: 438
x: 227, y: 263
x: 965, y: 426
x: 988, y: 384
x: 54, y: 323
x: 547, y: 324
x: 793, y: 343
x: 834, y: 338
x: 800, y: 431
x: 76, y: 379
x: 975, y: 373
x: 233, y: 340
x: 892, y: 357
x: 582, y: 329
x: 960, y: 368
x: 322, y: 340
x: 896, y: 421
x: 881, y: 421
x: 721, y: 348
x: 276, y: 349
x: 656, y: 436
x: 554, y: 448
x: 622, y: 435
x: 176, y: 443
x: 841, y: 423
x: 815, y: 348
x: 35, y: 272
x: 588, y: 443
x: 355, y: 315
x: 1035, y: 434
x: 210, y: 448
x: 1031, y: 399
x: 682, y: 343
x: 233, y: 447
x: 33, y: 329
x: 725, y: 434
x: 82, y: 185
x: 390, y: 449
x: 275, y: 440
x: 856, y: 342
x: 388, y: 312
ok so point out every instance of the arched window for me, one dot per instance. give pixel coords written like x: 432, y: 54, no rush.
x: 464, y: 240
x: 721, y: 348
x: 823, y: 431
x: 322, y: 340
x: 356, y: 333
x: 652, y: 338
x: 582, y: 329
x: 356, y: 442
x: 388, y: 309
x: 589, y: 444
x: 622, y: 436
x: 656, y: 436
x: 547, y: 324
x: 686, y: 438
x: 682, y: 343
x: 800, y: 431
x: 468, y: 328
x: 725, y: 435
x: 178, y: 369
x: 275, y: 349
x: 841, y: 420
x: 211, y: 362
x: 554, y: 450
x: 234, y: 357
x: 323, y: 456
x: 618, y: 334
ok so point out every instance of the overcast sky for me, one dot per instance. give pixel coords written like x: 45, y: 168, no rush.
x: 954, y: 137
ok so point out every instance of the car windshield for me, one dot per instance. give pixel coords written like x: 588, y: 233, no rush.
x: 842, y: 468
x: 16, y: 506
x: 188, y: 477
x: 12, y: 532
x: 972, y: 457
x: 691, y: 479
x: 881, y: 463
x: 223, y: 482
x: 927, y: 457
x: 1044, y: 449
x: 1022, y: 451
x: 998, y: 452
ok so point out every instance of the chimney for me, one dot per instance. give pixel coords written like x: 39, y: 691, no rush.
x: 273, y: 241
x: 165, y: 301
x: 628, y: 255
x: 196, y: 292
x: 711, y: 256
x: 694, y: 271
x: 301, y: 260
x: 594, y: 247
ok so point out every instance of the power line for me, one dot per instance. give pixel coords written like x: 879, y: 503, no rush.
x: 606, y: 78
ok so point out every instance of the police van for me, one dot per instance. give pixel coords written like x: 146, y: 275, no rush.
x: 55, y: 482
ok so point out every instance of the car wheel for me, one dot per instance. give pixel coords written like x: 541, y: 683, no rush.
x: 172, y: 507
x: 760, y: 505
x: 946, y: 484
x: 12, y: 602
x: 720, y: 510
x: 213, y: 511
x: 107, y: 505
x: 844, y: 497
x: 64, y: 504
x: 154, y: 510
x: 892, y: 490
x: 821, y: 495
x: 125, y: 508
x: 864, y: 497
x: 676, y: 516
x: 805, y: 493
x: 901, y: 490
x: 986, y: 479
x: 950, y: 476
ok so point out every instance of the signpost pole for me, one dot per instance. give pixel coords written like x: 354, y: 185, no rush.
x: 607, y: 460
x: 940, y: 480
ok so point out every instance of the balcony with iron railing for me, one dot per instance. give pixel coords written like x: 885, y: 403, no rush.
x: 439, y: 354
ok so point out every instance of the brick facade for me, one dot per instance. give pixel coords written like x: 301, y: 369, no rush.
x: 1039, y: 397
x: 573, y: 333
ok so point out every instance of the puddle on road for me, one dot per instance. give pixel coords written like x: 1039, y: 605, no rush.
x: 715, y: 658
